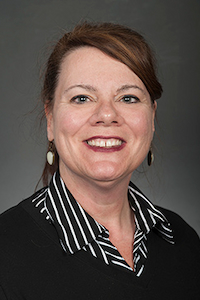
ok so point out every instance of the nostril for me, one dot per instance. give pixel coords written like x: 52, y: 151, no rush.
x: 104, y: 122
x: 99, y: 122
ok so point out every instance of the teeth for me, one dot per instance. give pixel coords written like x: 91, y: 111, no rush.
x: 102, y: 144
x: 108, y: 143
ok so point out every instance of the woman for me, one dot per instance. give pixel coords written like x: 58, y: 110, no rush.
x: 91, y: 233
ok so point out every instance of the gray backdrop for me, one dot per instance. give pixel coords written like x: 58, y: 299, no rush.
x: 171, y: 26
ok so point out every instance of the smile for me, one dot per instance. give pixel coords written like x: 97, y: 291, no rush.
x: 105, y: 143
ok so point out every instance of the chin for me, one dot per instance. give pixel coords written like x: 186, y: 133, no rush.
x: 108, y: 170
x: 106, y: 176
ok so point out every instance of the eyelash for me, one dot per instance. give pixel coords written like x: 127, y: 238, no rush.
x: 136, y: 99
x: 77, y: 99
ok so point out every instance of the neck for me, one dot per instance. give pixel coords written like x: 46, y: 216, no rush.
x: 106, y: 202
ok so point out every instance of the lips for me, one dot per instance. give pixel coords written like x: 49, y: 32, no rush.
x: 105, y: 143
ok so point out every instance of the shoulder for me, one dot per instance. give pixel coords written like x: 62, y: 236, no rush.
x: 17, y: 221
x: 28, y: 242
x: 23, y: 229
x: 181, y: 229
x: 8, y: 215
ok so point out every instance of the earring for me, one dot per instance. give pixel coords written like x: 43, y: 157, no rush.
x: 50, y: 154
x: 150, y: 157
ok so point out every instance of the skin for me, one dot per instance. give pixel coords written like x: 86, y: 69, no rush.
x: 116, y: 106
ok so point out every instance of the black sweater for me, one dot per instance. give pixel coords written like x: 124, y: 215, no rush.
x: 34, y: 266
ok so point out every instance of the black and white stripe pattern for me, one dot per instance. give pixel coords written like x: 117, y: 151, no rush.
x: 39, y: 201
x: 78, y: 230
x: 147, y: 218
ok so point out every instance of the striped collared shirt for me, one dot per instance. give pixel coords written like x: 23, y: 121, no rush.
x: 77, y: 230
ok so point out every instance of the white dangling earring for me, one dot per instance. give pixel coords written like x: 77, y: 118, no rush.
x: 50, y: 154
x: 150, y: 157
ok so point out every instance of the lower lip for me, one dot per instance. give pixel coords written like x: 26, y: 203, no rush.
x: 104, y: 149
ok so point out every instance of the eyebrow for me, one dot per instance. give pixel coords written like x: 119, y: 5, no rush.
x: 93, y: 89
x: 127, y: 87
x: 83, y: 86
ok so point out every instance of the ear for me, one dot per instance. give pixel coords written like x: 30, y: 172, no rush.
x: 49, y: 117
x: 154, y: 114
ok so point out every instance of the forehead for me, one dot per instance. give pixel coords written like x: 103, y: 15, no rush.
x: 89, y: 65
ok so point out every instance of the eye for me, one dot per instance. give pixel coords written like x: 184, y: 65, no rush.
x: 79, y: 99
x: 130, y: 99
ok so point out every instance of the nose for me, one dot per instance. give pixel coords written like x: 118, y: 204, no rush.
x: 106, y: 114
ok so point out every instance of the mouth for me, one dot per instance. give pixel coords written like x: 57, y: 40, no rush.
x: 108, y: 143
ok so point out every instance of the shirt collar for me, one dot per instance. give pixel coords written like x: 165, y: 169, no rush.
x: 147, y: 216
x: 76, y: 228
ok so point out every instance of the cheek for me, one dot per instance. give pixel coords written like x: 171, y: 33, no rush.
x: 141, y: 125
x: 67, y: 123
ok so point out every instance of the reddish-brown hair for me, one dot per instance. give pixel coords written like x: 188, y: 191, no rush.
x: 117, y: 41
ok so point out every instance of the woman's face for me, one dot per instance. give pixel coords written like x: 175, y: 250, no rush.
x: 102, y: 121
